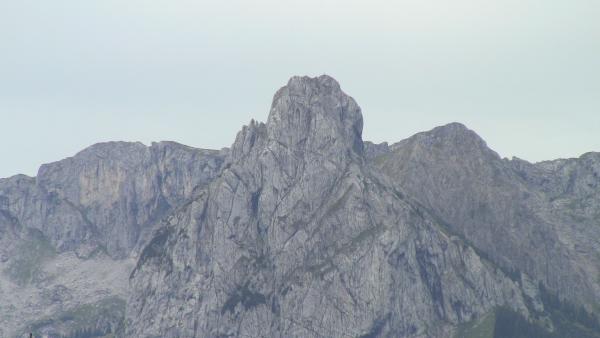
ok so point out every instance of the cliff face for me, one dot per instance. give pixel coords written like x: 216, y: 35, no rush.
x: 116, y: 190
x: 71, y: 235
x: 541, y: 219
x: 300, y: 229
x: 300, y: 237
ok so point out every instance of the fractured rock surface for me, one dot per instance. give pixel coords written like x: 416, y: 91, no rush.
x: 300, y: 229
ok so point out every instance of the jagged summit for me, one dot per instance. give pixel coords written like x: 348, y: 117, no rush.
x: 306, y: 85
x: 301, y: 229
x: 314, y: 113
x: 309, y: 117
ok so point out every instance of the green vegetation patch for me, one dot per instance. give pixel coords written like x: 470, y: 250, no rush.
x: 569, y: 319
x: 101, y: 319
x: 502, y: 322
x: 479, y: 328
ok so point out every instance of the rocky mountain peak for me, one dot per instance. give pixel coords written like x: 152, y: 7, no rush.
x: 453, y: 140
x: 247, y: 139
x: 458, y: 134
x: 314, y: 114
x: 301, y: 230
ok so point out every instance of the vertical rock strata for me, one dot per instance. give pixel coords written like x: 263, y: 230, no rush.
x: 300, y: 229
x: 299, y: 237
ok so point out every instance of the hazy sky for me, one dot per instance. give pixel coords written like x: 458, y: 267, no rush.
x: 523, y: 74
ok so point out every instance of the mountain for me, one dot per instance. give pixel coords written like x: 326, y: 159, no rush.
x: 302, y: 229
x: 71, y: 235
x: 536, y: 218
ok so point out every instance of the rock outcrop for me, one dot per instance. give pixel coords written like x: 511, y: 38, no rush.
x: 79, y: 225
x: 299, y: 237
x: 301, y: 229
x: 540, y: 219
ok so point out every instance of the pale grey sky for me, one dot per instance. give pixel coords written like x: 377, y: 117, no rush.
x: 523, y: 74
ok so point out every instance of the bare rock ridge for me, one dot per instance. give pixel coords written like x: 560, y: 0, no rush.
x: 542, y: 212
x: 299, y: 238
x: 112, y: 191
x: 301, y: 229
x: 71, y: 235
x: 315, y: 114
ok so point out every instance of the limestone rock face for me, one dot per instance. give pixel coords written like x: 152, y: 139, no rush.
x: 300, y: 229
x: 374, y: 151
x: 300, y: 237
x: 70, y: 236
x: 108, y: 194
x: 540, y: 219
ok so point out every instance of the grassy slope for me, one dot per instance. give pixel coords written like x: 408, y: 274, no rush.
x: 505, y: 323
x: 479, y: 328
